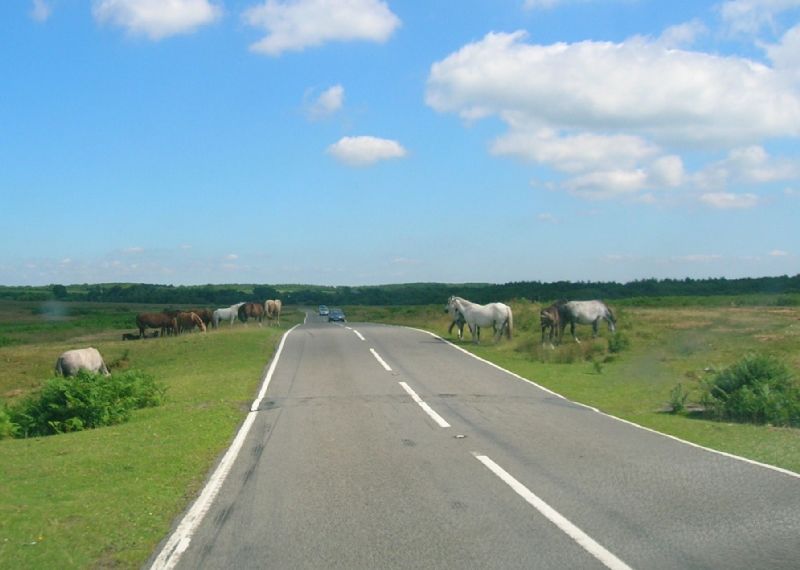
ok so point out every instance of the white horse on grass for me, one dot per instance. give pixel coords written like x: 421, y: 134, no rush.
x: 585, y: 313
x: 227, y: 314
x: 496, y: 315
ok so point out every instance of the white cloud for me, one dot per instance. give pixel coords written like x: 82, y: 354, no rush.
x: 232, y: 257
x: 636, y: 86
x: 751, y: 16
x: 296, y: 25
x: 41, y: 11
x: 785, y: 55
x: 328, y: 103
x: 365, y: 150
x: 547, y: 217
x: 156, y: 19
x: 727, y: 200
x: 682, y: 35
x: 133, y: 250
x: 698, y: 257
x: 616, y: 117
x: 746, y: 165
x: 778, y: 253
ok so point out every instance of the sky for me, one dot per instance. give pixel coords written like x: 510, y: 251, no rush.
x: 364, y: 142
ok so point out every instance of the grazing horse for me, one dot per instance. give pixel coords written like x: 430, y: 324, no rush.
x: 273, y: 310
x: 550, y: 318
x: 161, y: 321
x: 89, y: 359
x: 496, y: 315
x: 585, y: 313
x: 227, y: 314
x: 252, y: 311
x: 205, y: 314
x: 186, y: 321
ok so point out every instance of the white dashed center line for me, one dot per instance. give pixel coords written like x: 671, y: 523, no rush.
x: 428, y: 410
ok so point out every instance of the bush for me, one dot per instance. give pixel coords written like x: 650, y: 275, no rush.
x: 758, y: 389
x: 618, y: 342
x: 7, y: 427
x: 677, y: 398
x: 85, y: 401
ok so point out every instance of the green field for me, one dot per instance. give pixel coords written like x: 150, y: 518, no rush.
x: 106, y: 497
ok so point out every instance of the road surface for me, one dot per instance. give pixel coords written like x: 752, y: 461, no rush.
x: 385, y: 447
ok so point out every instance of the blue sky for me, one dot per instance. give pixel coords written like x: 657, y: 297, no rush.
x: 357, y: 142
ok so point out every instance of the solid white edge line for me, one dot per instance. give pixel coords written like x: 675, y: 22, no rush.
x: 630, y: 423
x: 576, y: 534
x: 179, y: 541
x: 381, y: 360
x: 428, y: 410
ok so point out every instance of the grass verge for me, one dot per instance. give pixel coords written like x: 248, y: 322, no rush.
x: 105, y: 497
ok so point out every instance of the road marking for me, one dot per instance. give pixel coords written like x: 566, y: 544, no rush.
x: 428, y: 410
x: 179, y: 541
x: 379, y: 359
x: 630, y: 423
x: 576, y: 534
x: 358, y: 334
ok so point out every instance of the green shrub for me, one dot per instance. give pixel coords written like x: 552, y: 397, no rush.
x: 758, y: 389
x: 85, y: 401
x: 618, y: 342
x: 7, y: 427
x: 677, y: 398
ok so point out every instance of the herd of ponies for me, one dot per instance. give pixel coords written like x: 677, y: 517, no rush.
x: 553, y: 320
x: 170, y: 322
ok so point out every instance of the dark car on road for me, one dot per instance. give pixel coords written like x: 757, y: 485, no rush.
x: 336, y: 315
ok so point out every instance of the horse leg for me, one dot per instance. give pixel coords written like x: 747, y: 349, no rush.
x: 572, y: 330
x: 595, y: 325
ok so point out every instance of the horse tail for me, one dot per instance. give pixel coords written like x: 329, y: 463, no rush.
x: 510, y: 323
x: 611, y: 315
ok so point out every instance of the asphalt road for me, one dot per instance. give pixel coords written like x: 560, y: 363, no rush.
x: 344, y: 467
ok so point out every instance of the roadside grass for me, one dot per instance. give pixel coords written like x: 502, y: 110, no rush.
x: 106, y: 497
x: 680, y: 343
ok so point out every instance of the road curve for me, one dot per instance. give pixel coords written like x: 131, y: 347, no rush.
x: 386, y: 447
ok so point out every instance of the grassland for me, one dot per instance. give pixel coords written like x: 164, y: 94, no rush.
x: 106, y: 497
x: 684, y: 341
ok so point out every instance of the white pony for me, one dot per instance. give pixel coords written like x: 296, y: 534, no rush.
x: 273, y: 309
x: 496, y: 315
x: 457, y: 321
x: 585, y: 313
x: 228, y: 314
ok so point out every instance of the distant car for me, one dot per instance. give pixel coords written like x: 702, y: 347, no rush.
x: 323, y: 311
x: 336, y: 315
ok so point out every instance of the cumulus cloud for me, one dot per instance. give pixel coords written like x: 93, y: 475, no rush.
x: 156, y: 19
x: 751, y: 16
x: 327, y: 103
x: 728, y: 200
x: 296, y: 25
x: 40, y: 11
x: 365, y: 150
x: 616, y: 117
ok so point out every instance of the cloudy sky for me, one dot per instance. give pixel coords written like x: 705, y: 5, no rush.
x: 378, y: 141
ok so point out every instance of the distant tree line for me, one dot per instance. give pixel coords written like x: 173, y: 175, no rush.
x: 404, y: 294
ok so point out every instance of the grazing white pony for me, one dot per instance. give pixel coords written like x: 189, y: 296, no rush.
x: 496, y: 315
x: 89, y: 359
x: 585, y: 313
x: 457, y: 320
x: 227, y: 314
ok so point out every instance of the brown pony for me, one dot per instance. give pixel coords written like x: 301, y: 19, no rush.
x: 252, y: 311
x: 550, y: 318
x: 186, y: 321
x: 205, y: 314
x: 161, y: 321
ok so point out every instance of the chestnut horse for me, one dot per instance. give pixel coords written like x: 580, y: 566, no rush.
x: 252, y: 311
x: 161, y: 321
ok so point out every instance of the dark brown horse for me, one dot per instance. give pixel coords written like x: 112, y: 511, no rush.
x: 161, y: 321
x: 550, y: 318
x: 252, y: 311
